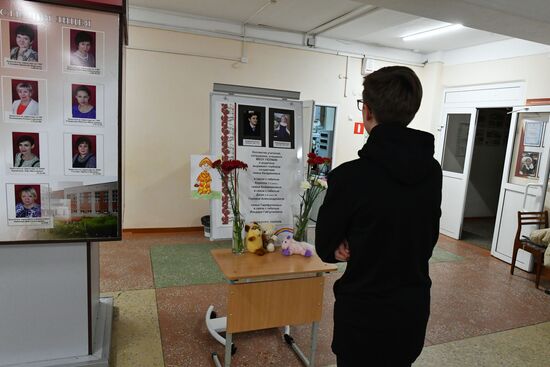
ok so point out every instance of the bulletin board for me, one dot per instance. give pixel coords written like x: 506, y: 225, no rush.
x: 265, y: 133
x: 60, y: 121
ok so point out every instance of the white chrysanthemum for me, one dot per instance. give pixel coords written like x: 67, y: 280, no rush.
x: 305, y: 185
x: 322, y: 183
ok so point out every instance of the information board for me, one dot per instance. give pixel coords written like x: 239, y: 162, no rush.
x: 60, y: 123
x: 266, y: 134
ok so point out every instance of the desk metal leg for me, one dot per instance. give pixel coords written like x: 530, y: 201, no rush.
x: 290, y: 341
x: 313, y: 352
x: 228, y: 339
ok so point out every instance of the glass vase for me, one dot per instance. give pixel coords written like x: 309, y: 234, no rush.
x: 300, y: 227
x: 237, y: 241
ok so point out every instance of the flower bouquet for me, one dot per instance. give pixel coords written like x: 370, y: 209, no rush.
x: 229, y: 173
x: 312, y: 186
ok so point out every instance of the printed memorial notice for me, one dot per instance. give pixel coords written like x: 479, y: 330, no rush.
x: 59, y: 123
x: 267, y: 135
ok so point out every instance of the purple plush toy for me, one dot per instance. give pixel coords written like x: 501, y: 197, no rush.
x: 291, y: 246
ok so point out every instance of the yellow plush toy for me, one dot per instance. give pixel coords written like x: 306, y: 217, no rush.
x: 254, y: 241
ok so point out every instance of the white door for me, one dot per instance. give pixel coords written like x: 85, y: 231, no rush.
x: 455, y: 155
x: 524, y: 180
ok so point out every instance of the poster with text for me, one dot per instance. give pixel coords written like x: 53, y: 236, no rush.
x: 59, y: 126
x: 269, y: 189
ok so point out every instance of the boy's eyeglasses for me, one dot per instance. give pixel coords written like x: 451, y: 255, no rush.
x: 360, y: 104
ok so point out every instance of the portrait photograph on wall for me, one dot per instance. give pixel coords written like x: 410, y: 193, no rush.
x: 27, y: 201
x: 528, y: 164
x: 83, y: 50
x: 251, y: 125
x: 84, y: 151
x: 25, y: 97
x: 23, y: 45
x: 281, y: 128
x: 26, y: 149
x: 53, y: 129
x: 84, y: 104
x: 28, y: 205
x: 84, y: 101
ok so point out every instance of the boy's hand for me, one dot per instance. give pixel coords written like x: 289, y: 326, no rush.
x: 342, y: 252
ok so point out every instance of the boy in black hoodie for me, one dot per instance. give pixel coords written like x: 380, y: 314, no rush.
x: 381, y: 215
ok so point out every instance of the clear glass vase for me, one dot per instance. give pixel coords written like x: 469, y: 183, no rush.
x: 300, y: 227
x: 237, y: 241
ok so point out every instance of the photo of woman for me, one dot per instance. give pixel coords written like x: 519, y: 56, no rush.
x: 27, y: 203
x: 82, y: 108
x: 84, y: 157
x: 83, y: 49
x: 26, y: 156
x: 22, y: 43
x: 282, y: 126
x: 25, y: 105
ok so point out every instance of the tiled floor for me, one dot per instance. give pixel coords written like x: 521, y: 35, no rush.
x: 479, y: 312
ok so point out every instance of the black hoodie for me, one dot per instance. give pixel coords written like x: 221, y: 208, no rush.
x: 386, y: 204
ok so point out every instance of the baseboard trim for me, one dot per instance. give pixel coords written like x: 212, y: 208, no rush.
x: 162, y: 230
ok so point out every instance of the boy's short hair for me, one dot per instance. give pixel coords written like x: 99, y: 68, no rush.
x: 23, y: 138
x: 25, y: 30
x: 249, y: 114
x: 393, y: 94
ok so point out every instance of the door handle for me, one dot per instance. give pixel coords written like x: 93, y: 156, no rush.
x: 523, y: 209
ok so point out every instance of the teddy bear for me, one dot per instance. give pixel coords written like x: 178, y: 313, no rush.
x: 253, y: 239
x: 290, y: 246
x: 268, y: 236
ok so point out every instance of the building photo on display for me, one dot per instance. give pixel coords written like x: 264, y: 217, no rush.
x: 23, y: 42
x: 26, y: 149
x: 281, y: 128
x: 251, y: 126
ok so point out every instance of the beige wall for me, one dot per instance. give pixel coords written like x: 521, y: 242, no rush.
x: 169, y: 76
x: 167, y: 111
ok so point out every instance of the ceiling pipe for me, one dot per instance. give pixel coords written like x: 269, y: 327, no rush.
x: 348, y: 17
x: 244, y: 53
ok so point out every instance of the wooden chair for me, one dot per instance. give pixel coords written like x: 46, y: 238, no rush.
x: 524, y: 219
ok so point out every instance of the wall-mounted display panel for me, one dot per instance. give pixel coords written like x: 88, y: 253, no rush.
x: 59, y: 123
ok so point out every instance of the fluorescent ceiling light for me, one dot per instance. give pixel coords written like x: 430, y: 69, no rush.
x: 432, y: 32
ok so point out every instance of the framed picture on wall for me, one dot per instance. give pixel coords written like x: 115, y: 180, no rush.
x: 281, y: 128
x: 533, y: 133
x: 60, y: 129
x: 529, y: 164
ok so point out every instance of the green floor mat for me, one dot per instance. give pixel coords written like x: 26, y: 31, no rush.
x: 440, y: 255
x: 177, y: 265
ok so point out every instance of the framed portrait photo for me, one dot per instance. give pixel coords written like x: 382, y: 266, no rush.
x: 23, y: 45
x: 251, y: 125
x: 281, y: 128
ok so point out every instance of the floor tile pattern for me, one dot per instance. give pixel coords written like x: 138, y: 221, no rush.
x: 478, y: 312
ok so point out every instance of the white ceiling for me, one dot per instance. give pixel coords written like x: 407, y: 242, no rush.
x: 378, y: 22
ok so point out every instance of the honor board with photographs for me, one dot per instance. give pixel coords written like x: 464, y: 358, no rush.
x: 60, y: 123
